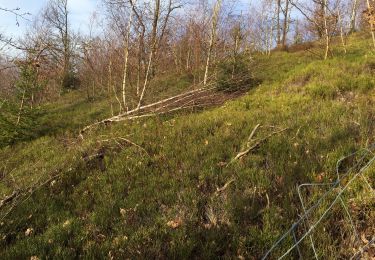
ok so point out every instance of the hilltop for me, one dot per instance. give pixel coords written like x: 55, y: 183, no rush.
x: 167, y: 186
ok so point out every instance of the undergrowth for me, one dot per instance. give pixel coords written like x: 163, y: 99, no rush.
x: 164, y: 196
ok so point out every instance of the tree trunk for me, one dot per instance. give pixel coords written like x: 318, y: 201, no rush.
x: 278, y: 23
x: 212, y: 38
x: 153, y: 50
x: 21, y: 108
x: 342, y: 36
x: 109, y: 86
x: 353, y: 16
x: 371, y: 26
x: 235, y: 49
x: 286, y: 19
x: 126, y: 56
x: 154, y: 36
x: 66, y: 42
x: 140, y: 58
x: 326, y: 30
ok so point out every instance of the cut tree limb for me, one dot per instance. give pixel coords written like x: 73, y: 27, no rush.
x: 219, y: 190
x: 9, y: 199
x: 127, y: 115
x: 251, y: 148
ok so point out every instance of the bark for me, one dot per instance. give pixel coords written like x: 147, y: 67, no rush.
x: 278, y: 22
x: 326, y: 30
x: 353, y: 16
x: 109, y: 86
x: 141, y: 47
x: 126, y: 56
x: 21, y: 108
x: 286, y: 19
x: 154, y: 36
x: 153, y: 50
x: 66, y: 42
x: 237, y: 37
x: 212, y: 38
x: 342, y: 35
x: 371, y: 25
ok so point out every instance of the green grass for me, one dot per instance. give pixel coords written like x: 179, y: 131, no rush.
x: 119, y: 205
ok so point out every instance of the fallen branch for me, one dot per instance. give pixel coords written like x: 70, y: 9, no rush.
x: 154, y: 108
x: 9, y: 198
x: 125, y: 116
x: 25, y: 192
x: 248, y: 150
x: 127, y: 141
x: 219, y: 190
x: 252, y: 134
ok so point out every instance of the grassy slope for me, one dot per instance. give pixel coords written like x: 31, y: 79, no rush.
x: 120, y: 205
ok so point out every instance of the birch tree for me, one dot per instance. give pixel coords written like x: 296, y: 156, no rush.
x: 353, y: 16
x: 215, y: 18
x: 126, y: 58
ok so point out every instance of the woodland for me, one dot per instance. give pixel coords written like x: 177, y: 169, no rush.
x: 188, y: 129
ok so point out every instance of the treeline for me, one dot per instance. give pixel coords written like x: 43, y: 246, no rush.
x: 132, y: 42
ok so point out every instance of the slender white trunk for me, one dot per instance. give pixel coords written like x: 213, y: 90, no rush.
x: 326, y: 30
x: 126, y: 56
x: 188, y: 60
x: 236, y: 43
x: 154, y: 43
x: 212, y: 38
x: 109, y: 85
x: 146, y: 80
x: 21, y: 108
x: 270, y: 40
x: 342, y: 36
x: 353, y: 16
x: 371, y: 26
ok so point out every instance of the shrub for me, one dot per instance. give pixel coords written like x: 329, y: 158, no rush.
x: 17, y: 125
x: 70, y: 81
x: 18, y: 118
x: 322, y: 91
x: 235, y: 75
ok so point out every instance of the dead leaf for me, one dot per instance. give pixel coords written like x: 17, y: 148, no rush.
x: 221, y: 164
x: 66, y: 223
x: 123, y: 212
x: 174, y: 223
x: 29, y: 231
x: 364, y: 239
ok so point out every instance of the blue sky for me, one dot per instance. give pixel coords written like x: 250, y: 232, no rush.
x: 80, y: 11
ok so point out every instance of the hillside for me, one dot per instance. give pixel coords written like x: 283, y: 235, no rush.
x: 167, y: 186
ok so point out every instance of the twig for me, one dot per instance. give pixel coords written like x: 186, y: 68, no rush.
x: 9, y: 199
x: 252, y: 134
x: 125, y: 116
x: 248, y: 150
x: 30, y: 191
x: 128, y: 141
x: 219, y: 190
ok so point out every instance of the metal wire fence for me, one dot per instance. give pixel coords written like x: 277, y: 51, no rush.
x: 314, y: 214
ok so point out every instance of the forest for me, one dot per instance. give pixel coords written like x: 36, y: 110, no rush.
x: 187, y: 129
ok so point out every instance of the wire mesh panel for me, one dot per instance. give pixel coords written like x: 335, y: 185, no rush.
x: 326, y: 227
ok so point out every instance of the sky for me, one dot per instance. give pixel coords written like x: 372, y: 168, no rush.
x: 80, y: 12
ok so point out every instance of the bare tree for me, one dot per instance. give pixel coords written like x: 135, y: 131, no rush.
x: 57, y: 18
x: 353, y: 16
x: 156, y: 38
x: 286, y: 26
x: 215, y: 18
x: 322, y: 18
x: 370, y: 17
